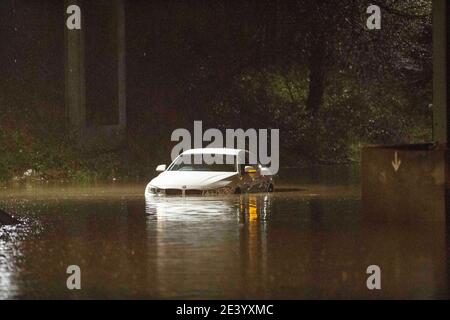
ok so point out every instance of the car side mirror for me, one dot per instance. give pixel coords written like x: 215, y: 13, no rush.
x: 266, y: 172
x: 250, y: 169
x: 161, y: 168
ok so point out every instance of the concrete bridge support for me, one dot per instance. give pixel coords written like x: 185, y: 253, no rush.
x: 95, y: 75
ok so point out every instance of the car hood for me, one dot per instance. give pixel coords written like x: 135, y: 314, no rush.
x: 192, y: 179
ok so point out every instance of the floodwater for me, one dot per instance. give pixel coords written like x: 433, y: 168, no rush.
x: 308, y: 240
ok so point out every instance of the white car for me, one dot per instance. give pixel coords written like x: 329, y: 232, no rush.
x: 186, y: 177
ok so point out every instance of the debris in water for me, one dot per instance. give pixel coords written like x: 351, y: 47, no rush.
x: 7, y: 219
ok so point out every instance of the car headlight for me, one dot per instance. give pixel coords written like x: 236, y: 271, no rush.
x: 149, y: 189
x: 154, y: 190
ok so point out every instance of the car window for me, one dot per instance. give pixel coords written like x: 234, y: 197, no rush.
x: 188, y: 163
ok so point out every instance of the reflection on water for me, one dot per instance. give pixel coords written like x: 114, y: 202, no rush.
x: 215, y: 247
x: 7, y: 264
x: 10, y: 253
x: 306, y: 242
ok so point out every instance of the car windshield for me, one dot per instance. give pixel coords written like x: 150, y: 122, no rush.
x: 201, y: 162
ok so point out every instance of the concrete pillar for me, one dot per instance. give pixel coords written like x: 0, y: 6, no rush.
x: 75, y: 94
x: 94, y: 137
x: 440, y: 87
x: 122, y: 63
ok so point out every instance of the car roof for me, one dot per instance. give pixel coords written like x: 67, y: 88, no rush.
x: 226, y: 151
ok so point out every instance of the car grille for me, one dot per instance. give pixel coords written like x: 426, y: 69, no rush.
x: 173, y: 192
x: 179, y: 192
x: 193, y: 192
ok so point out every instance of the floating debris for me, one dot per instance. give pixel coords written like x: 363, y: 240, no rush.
x: 7, y: 219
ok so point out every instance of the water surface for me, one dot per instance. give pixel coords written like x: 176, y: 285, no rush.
x: 307, y: 240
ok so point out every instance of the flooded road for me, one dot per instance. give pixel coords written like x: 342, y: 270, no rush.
x: 306, y: 240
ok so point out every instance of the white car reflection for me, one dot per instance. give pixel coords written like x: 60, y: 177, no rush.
x: 249, y: 207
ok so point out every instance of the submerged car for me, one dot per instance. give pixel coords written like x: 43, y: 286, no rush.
x: 194, y: 172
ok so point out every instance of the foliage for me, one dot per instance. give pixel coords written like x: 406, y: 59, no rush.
x: 310, y: 68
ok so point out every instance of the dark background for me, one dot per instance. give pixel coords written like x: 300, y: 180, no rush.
x: 310, y: 68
